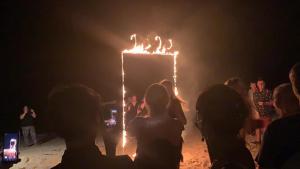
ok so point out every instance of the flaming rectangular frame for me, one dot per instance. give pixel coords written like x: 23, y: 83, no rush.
x: 140, y: 50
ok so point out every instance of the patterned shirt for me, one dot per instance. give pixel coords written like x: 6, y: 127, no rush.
x: 263, y: 96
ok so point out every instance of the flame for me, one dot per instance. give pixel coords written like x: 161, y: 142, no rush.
x: 134, y: 37
x: 157, y: 38
x: 176, y: 91
x: 171, y: 44
x: 134, y: 155
x: 124, y: 104
x: 146, y: 49
x: 175, y: 73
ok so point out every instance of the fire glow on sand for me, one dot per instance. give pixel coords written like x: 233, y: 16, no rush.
x: 147, y: 49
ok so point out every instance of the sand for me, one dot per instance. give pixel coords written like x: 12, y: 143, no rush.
x: 48, y: 154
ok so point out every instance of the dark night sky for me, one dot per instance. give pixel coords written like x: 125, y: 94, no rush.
x: 54, y: 42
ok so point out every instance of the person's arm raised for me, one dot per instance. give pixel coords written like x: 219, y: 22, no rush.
x: 270, y: 99
x: 22, y: 115
x: 33, y: 113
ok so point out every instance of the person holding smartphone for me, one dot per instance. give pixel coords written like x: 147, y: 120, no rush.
x: 27, y: 118
x: 113, y: 128
x: 75, y: 115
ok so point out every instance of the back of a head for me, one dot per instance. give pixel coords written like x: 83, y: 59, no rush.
x: 237, y: 84
x: 295, y: 79
x: 222, y: 110
x: 232, y: 81
x: 227, y: 165
x: 157, y: 99
x: 169, y: 86
x: 284, y: 98
x: 166, y: 82
x: 74, y: 111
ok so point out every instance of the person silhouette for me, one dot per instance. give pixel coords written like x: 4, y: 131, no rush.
x: 158, y: 135
x: 222, y: 113
x: 75, y: 112
x: 280, y: 141
x: 295, y: 79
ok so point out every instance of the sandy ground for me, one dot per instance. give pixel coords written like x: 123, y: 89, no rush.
x: 48, y: 154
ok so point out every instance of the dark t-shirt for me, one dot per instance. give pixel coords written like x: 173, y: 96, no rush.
x: 175, y: 108
x: 231, y: 151
x: 28, y: 120
x: 91, y: 158
x: 281, y: 141
x: 158, y: 142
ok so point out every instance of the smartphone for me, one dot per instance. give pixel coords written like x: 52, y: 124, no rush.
x: 11, y: 147
x: 113, y: 118
x: 113, y: 111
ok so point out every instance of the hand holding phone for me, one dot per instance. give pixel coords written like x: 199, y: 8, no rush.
x: 11, y: 148
x: 112, y: 121
x: 6, y: 165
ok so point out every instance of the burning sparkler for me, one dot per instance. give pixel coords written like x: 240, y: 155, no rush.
x: 145, y: 50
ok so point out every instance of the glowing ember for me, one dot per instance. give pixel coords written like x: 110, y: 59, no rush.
x: 134, y: 155
x: 161, y: 49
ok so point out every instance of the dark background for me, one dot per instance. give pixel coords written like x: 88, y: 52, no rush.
x: 143, y: 70
x: 45, y: 43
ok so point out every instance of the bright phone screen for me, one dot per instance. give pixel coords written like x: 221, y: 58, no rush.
x: 11, y: 147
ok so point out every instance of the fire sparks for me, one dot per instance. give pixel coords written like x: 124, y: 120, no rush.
x: 148, y: 49
x: 124, y: 104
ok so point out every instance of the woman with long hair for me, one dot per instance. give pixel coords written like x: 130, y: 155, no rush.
x: 175, y: 108
x: 158, y: 135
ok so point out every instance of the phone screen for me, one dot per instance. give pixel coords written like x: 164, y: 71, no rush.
x: 113, y: 118
x: 11, y: 147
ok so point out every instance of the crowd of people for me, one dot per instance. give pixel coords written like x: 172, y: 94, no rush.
x: 137, y: 108
x: 227, y: 113
x: 75, y: 111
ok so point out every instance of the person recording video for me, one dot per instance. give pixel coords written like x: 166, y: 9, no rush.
x: 27, y: 118
x: 142, y: 111
x: 112, y: 116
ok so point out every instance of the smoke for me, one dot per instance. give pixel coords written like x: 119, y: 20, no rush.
x: 201, y: 32
x: 192, y: 72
